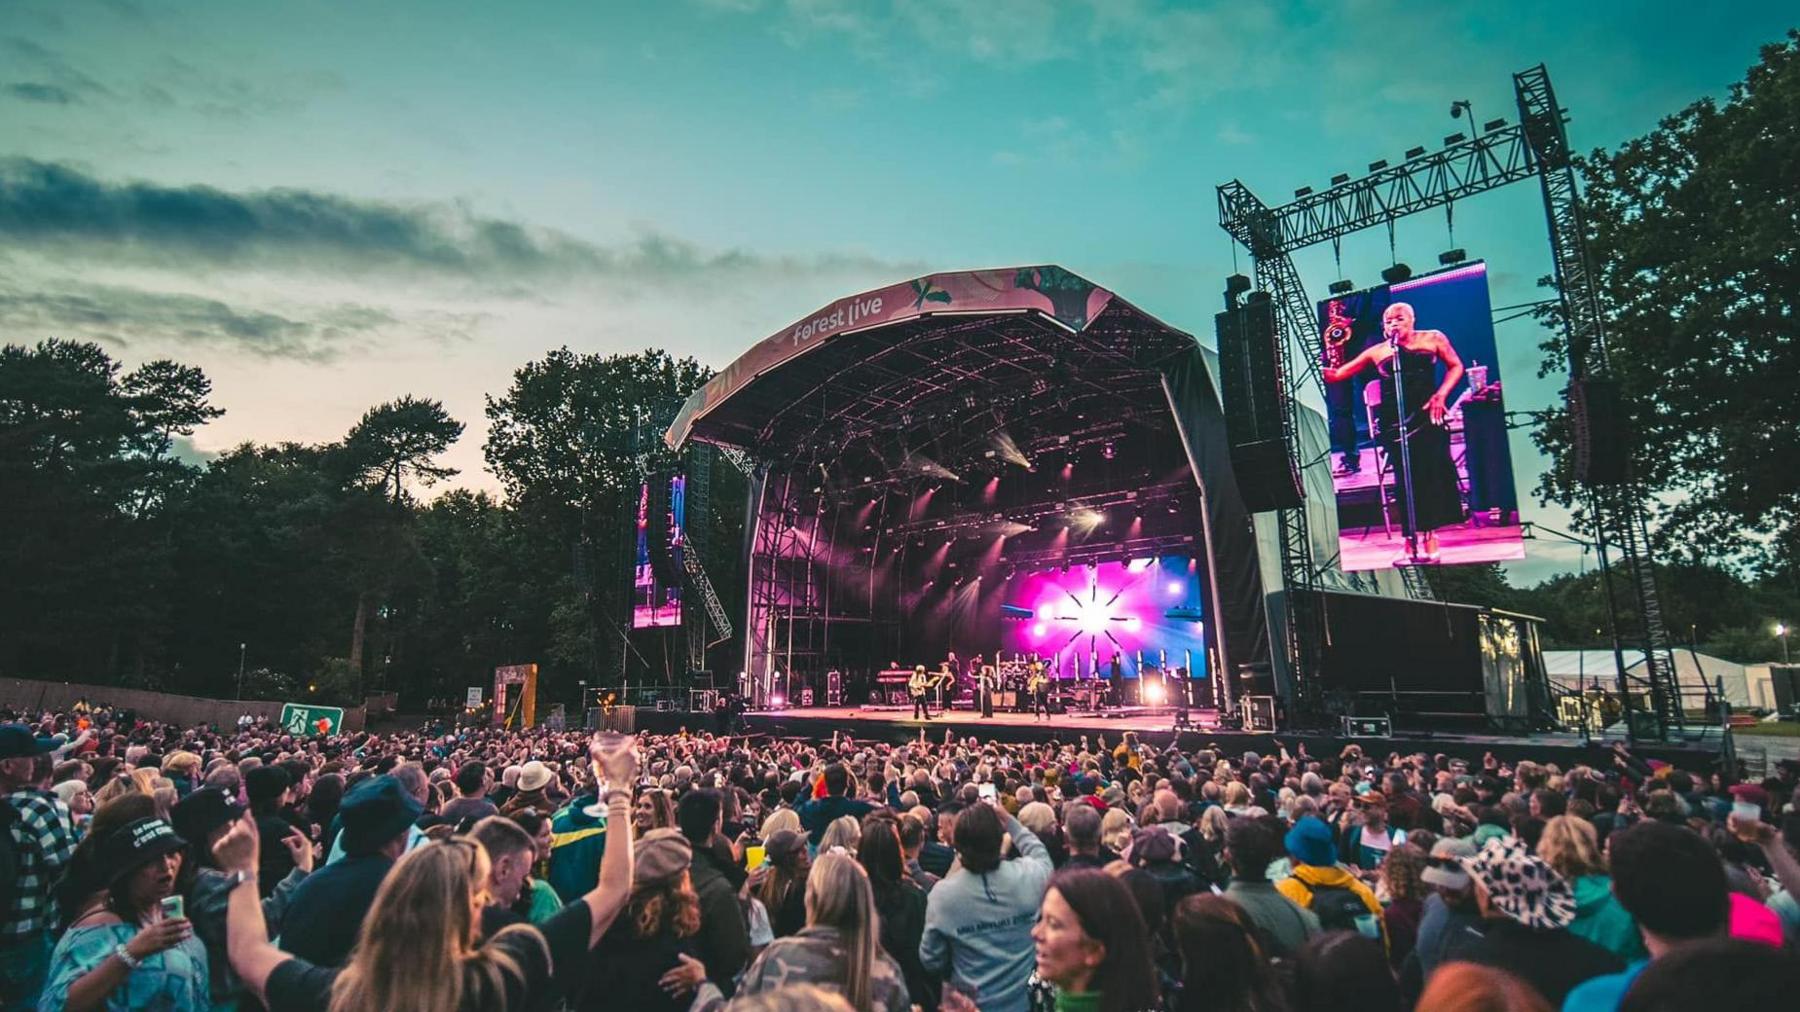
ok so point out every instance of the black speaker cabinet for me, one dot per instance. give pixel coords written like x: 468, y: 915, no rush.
x: 1250, y: 387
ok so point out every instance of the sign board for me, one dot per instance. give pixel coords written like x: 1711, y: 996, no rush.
x: 515, y: 695
x: 306, y: 719
x: 474, y: 697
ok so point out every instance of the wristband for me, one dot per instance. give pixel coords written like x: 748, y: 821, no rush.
x: 131, y: 962
x: 240, y: 877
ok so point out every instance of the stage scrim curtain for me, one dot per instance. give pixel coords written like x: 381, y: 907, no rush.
x: 1194, y: 399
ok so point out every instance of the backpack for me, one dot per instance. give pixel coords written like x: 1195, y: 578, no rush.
x: 9, y: 856
x: 1337, y: 907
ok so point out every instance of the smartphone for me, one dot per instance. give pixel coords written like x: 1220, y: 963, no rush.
x: 987, y: 792
x: 172, y: 906
x: 1367, y: 926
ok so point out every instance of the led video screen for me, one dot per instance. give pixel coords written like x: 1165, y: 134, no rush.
x: 1145, y: 613
x: 1414, y: 401
x: 656, y: 578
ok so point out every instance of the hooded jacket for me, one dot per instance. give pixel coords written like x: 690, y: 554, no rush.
x: 1601, y: 919
x: 978, y: 925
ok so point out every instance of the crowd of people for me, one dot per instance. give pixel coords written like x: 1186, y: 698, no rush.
x: 149, y: 866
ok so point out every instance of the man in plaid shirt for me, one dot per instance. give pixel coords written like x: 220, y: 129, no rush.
x: 42, y: 842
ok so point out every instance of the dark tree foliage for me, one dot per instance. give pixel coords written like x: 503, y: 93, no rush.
x: 316, y: 566
x: 1694, y: 234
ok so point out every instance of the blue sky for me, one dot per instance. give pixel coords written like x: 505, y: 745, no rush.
x: 327, y: 205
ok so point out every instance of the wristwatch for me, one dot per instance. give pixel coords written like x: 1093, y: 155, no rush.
x: 239, y: 877
x: 131, y: 962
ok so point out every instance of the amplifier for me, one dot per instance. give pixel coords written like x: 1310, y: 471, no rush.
x: 1368, y: 727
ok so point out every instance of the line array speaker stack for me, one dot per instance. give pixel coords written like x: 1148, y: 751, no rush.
x: 1597, y: 427
x: 1251, y: 394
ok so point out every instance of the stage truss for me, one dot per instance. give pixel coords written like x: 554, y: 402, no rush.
x: 1497, y: 155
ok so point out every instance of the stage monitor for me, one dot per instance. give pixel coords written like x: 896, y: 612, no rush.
x: 1445, y: 473
x: 1146, y: 613
x: 656, y: 579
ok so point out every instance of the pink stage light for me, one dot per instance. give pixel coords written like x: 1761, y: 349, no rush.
x: 1176, y: 587
x: 1039, y: 629
x: 1134, y: 623
x: 1153, y: 694
x: 1045, y: 612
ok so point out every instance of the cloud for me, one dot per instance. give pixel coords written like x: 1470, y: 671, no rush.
x: 125, y: 317
x: 58, y: 211
x: 51, y: 68
x: 37, y: 91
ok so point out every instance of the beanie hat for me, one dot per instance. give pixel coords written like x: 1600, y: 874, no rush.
x: 1309, y: 842
x: 661, y: 855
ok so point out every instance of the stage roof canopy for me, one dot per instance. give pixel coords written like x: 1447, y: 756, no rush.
x: 932, y: 350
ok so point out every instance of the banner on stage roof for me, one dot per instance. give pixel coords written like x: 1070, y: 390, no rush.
x: 1067, y: 298
x: 307, y: 719
x: 1421, y: 468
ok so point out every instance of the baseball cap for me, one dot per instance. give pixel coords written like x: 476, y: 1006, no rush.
x: 18, y: 740
x: 199, y: 814
x: 1444, y: 866
x: 127, y: 848
x: 374, y: 812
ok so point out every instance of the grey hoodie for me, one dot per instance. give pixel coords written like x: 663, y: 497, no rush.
x: 978, y: 927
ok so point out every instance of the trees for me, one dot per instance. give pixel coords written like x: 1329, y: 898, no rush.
x: 400, y: 438
x: 1694, y: 245
x: 571, y: 440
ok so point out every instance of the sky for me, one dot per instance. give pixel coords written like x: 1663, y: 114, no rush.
x: 328, y: 205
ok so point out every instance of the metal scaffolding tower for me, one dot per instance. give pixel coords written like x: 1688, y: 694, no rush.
x: 1497, y: 155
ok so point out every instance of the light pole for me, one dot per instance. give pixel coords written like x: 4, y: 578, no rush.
x: 241, y: 648
x: 1781, y: 630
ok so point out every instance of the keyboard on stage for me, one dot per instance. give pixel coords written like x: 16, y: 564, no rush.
x: 893, y: 676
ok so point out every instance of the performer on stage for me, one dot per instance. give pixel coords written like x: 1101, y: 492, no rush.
x: 1037, y: 686
x: 1412, y: 425
x: 946, y: 675
x: 918, y: 686
x: 986, y: 681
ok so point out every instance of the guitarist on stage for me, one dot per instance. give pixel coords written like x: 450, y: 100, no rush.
x: 1037, y: 687
x: 917, y: 686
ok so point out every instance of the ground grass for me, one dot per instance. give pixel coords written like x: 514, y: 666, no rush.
x: 1783, y: 729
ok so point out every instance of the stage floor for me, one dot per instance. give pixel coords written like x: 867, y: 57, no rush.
x: 971, y: 721
x: 1459, y: 545
x: 894, y: 725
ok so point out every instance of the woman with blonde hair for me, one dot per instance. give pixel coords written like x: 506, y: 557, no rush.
x: 1115, y: 830
x: 1571, y: 846
x: 839, y: 948
x: 843, y: 831
x: 417, y: 949
x: 780, y: 819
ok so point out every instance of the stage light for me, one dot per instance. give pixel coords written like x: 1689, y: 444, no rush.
x: 1107, y: 451
x: 1153, y: 694
x: 1378, y: 164
x: 777, y: 699
x: 1342, y: 286
x: 1396, y: 274
x: 1453, y: 139
x: 1176, y: 587
x: 1039, y: 630
x: 1134, y: 623
x: 1492, y: 125
x: 1235, y: 284
x: 1453, y: 256
x: 1340, y: 179
x: 1045, y: 611
x: 1412, y: 153
x: 1304, y: 191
